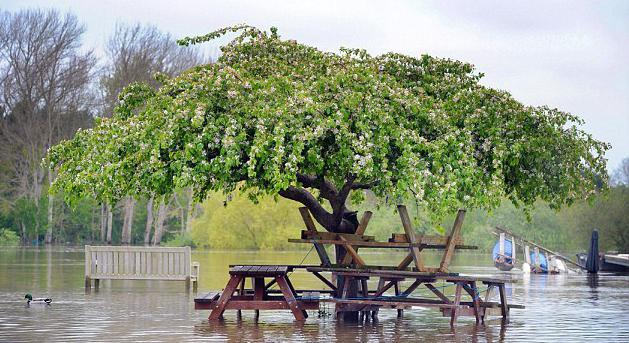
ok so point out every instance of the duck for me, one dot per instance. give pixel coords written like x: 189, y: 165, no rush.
x: 29, y: 299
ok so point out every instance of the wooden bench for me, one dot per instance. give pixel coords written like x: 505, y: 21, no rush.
x: 260, y: 296
x: 139, y: 263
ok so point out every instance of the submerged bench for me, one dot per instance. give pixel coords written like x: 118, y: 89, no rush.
x: 139, y: 263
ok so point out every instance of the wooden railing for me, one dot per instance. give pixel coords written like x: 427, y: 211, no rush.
x: 139, y: 263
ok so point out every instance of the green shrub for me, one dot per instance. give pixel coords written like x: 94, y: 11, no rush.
x: 8, y: 238
x: 179, y: 240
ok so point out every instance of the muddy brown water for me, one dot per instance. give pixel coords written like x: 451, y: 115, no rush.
x: 559, y: 308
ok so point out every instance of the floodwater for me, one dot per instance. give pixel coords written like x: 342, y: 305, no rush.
x: 559, y: 308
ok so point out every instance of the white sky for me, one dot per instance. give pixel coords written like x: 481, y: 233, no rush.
x: 571, y: 55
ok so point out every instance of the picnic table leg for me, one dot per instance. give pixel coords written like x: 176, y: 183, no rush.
x: 241, y: 292
x: 504, y: 309
x: 490, y: 287
x: 476, y: 302
x: 290, y: 298
x: 258, y: 293
x: 381, y: 282
x: 232, y: 284
x: 290, y: 285
x: 400, y: 312
x: 365, y: 292
x: 457, y: 302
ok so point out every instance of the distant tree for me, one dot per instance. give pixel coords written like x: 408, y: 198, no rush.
x: 135, y: 53
x: 273, y: 116
x: 620, y: 175
x: 44, y: 96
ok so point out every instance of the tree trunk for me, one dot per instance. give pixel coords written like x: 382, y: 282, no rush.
x: 149, y: 221
x: 51, y: 199
x: 110, y: 217
x: 103, y: 222
x: 159, y: 225
x: 190, y: 211
x: 127, y: 224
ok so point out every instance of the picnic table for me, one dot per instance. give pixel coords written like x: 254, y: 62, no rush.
x: 409, y: 240
x: 260, y: 296
x: 372, y: 300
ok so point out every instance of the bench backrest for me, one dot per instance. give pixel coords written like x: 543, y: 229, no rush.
x: 137, y: 263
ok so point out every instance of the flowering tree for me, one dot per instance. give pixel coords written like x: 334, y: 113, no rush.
x: 273, y: 116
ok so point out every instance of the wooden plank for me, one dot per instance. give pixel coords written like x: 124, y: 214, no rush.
x: 385, y: 245
x: 412, y: 288
x: 310, y: 226
x: 457, y: 301
x: 350, y: 250
x: 259, y: 305
x: 290, y: 298
x: 325, y: 281
x: 454, y: 236
x: 429, y: 240
x: 410, y: 234
x: 438, y: 293
x: 232, y: 284
x: 406, y: 261
x: 402, y: 304
x: 307, y: 234
x: 347, y: 259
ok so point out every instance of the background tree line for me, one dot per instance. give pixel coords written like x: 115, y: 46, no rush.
x: 51, y: 86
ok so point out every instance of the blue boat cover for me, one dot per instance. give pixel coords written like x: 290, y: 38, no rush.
x: 543, y: 262
x: 508, y: 247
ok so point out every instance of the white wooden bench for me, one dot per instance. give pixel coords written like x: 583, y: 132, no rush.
x: 139, y: 263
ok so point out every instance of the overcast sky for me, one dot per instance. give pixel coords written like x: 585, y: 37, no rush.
x: 571, y: 55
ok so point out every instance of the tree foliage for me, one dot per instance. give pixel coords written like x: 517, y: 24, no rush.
x: 273, y: 116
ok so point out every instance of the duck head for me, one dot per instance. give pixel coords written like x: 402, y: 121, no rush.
x: 28, y: 296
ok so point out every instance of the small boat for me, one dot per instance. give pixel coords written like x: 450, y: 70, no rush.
x: 30, y: 300
x: 539, y: 262
x: 503, y: 261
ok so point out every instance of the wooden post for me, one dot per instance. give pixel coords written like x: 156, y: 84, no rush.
x: 527, y: 254
x: 501, y: 245
x: 410, y: 235
x: 195, y: 275
x: 504, y: 308
x: 88, y: 269
x: 310, y: 226
x: 537, y: 261
x: 513, y: 250
x: 452, y: 239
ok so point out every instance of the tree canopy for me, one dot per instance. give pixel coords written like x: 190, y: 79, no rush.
x: 273, y: 116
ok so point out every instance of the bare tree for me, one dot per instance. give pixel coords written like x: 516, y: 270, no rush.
x: 134, y: 54
x: 44, y: 95
x: 620, y: 176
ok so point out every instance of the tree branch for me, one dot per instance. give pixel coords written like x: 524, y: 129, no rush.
x: 301, y: 195
x: 365, y: 185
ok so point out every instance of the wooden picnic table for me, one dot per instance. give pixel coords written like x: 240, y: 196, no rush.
x: 260, y: 297
x: 409, y: 240
x: 371, y: 300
